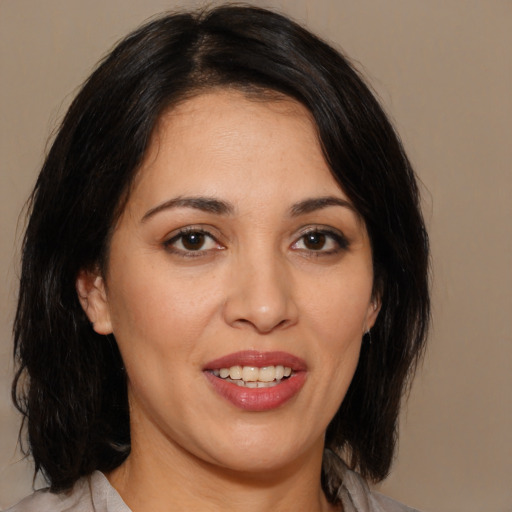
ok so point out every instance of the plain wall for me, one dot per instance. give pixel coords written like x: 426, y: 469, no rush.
x: 443, y: 70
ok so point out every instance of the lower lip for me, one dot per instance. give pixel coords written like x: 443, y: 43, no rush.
x: 258, y: 399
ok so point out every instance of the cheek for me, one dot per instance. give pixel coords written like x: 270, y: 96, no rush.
x: 336, y: 314
x: 338, y: 308
x: 158, y: 324
x: 157, y: 313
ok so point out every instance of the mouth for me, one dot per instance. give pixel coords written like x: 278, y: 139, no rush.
x: 257, y: 381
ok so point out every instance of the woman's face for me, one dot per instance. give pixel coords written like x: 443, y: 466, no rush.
x: 239, y: 285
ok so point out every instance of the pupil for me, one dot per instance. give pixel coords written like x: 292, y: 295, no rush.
x: 315, y: 241
x: 193, y: 241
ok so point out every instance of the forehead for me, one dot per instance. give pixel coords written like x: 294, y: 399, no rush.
x: 222, y: 116
x: 226, y: 142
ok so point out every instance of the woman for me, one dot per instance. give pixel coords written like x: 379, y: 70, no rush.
x: 224, y: 288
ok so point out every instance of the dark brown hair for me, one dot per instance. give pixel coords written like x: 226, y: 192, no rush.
x: 70, y: 384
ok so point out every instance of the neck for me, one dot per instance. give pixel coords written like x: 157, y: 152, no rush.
x: 166, y: 477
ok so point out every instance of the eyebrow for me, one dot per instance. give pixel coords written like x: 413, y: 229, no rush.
x: 205, y: 204
x: 318, y: 203
x: 219, y: 207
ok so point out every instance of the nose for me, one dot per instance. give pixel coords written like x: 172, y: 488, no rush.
x: 261, y: 295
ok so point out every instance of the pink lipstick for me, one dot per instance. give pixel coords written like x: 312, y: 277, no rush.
x: 256, y: 381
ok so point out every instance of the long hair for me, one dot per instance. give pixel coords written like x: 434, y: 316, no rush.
x: 70, y: 383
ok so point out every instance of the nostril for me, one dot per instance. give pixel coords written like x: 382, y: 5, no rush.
x: 261, y: 327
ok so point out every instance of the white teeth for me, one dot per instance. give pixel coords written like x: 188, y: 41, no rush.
x: 250, y: 373
x: 252, y: 376
x: 235, y: 372
x: 243, y: 384
x: 267, y: 374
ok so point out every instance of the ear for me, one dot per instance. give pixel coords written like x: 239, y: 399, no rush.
x: 372, y: 313
x: 92, y: 294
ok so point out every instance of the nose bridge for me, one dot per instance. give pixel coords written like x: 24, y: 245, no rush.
x: 261, y: 291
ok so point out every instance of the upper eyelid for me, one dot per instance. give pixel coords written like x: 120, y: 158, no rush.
x: 318, y: 227
x: 177, y: 233
x: 328, y: 230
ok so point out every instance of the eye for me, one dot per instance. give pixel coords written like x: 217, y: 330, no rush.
x: 321, y: 241
x: 189, y: 241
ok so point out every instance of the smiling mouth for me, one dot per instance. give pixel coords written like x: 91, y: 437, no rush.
x: 257, y: 381
x: 254, y: 377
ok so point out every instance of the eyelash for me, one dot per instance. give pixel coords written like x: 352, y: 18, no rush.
x: 169, y: 244
x: 341, y: 242
x: 338, y: 238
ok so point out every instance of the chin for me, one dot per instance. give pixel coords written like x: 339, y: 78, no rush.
x: 264, y: 452
x: 259, y: 464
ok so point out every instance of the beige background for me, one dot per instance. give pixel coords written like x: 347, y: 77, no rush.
x: 443, y: 69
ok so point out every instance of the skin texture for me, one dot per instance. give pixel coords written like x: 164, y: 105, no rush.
x: 255, y: 283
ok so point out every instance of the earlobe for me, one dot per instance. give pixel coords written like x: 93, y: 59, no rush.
x: 90, y: 287
x: 373, y: 313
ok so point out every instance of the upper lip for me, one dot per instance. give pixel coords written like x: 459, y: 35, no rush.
x: 257, y: 359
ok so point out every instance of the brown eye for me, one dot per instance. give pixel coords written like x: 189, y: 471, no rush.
x: 321, y: 242
x: 193, y: 241
x: 315, y: 241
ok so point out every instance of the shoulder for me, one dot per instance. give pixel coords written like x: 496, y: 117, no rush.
x: 354, y: 493
x: 89, y: 494
x: 389, y: 505
x: 76, y: 500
